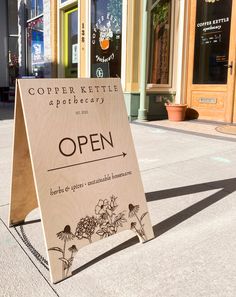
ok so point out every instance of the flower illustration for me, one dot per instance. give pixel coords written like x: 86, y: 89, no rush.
x: 133, y: 225
x: 113, y: 204
x: 108, y: 220
x: 103, y: 218
x: 120, y: 219
x: 104, y: 223
x: 101, y: 207
x: 68, y: 262
x: 66, y: 234
x: 133, y: 209
x: 86, y: 228
x: 133, y: 212
x: 73, y: 249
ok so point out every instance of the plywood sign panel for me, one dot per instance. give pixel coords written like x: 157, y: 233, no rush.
x: 85, y: 170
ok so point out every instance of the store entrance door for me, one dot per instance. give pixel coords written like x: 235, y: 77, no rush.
x: 211, y: 60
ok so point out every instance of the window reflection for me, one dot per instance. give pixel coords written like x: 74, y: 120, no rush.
x: 160, y: 43
x: 35, y: 39
x: 212, y: 33
x: 39, y: 7
x: 35, y: 8
x: 12, y: 42
x: 106, y: 32
x: 35, y: 47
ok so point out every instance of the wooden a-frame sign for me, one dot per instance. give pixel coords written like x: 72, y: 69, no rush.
x: 74, y: 158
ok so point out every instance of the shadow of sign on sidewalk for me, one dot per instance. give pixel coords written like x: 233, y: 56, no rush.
x: 226, y: 187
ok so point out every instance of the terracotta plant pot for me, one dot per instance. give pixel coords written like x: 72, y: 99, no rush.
x: 176, y: 112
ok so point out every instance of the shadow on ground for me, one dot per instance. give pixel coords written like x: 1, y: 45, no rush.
x: 6, y: 111
x: 225, y: 187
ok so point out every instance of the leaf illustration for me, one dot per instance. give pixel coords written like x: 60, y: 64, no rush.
x: 120, y: 219
x: 70, y: 261
x: 143, y: 215
x: 114, y: 207
x: 57, y: 249
x: 66, y: 262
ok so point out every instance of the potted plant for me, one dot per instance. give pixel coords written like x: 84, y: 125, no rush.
x: 176, y: 112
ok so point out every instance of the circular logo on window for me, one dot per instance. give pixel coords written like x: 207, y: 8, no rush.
x: 99, y: 72
x: 106, y: 35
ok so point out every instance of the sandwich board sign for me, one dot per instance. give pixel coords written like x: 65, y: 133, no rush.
x: 74, y: 158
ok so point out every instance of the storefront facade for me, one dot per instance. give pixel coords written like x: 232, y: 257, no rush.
x: 8, y: 48
x: 91, y: 39
x: 156, y: 47
x: 210, y: 89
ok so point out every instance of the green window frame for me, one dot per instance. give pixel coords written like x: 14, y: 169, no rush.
x: 71, y: 70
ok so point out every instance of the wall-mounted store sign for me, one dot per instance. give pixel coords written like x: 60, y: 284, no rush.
x: 74, y: 157
x: 212, y: 34
x: 208, y: 100
x: 106, y: 32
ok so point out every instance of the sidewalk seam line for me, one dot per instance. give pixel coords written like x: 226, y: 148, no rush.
x: 230, y: 139
x: 29, y: 258
x: 4, y: 205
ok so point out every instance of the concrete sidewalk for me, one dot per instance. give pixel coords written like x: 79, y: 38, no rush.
x: 190, y: 183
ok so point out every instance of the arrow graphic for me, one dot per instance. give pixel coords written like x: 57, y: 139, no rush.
x: 91, y: 161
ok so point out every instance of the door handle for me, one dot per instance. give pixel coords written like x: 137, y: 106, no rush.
x: 230, y: 66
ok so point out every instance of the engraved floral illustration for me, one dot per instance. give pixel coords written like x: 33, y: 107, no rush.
x: 108, y: 220
x: 105, y: 222
x: 66, y: 235
x: 137, y: 225
x: 86, y: 228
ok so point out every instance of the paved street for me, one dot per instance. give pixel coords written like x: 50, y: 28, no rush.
x: 189, y: 177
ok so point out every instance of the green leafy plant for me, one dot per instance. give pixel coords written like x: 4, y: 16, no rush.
x: 160, y: 13
x: 168, y: 100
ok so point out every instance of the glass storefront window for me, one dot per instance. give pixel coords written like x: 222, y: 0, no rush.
x: 35, y: 8
x: 160, y: 43
x: 39, y: 6
x: 71, y: 43
x: 13, y: 59
x: 13, y: 66
x: 212, y: 34
x: 35, y: 47
x: 106, y: 33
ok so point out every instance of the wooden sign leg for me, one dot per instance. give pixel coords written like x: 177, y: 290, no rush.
x: 23, y: 193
